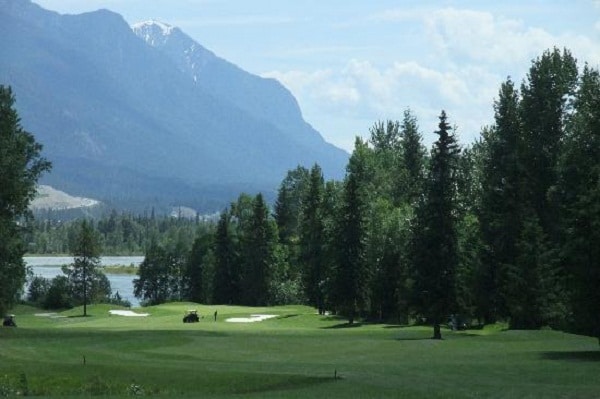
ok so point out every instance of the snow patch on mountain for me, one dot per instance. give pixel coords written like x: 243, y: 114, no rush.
x: 190, y: 57
x: 154, y: 32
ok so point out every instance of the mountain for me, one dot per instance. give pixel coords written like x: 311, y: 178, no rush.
x: 49, y: 198
x: 145, y: 115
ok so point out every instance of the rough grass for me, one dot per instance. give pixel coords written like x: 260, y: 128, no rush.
x: 120, y: 269
x: 295, y: 355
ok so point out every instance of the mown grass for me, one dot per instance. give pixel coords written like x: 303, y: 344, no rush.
x: 295, y: 355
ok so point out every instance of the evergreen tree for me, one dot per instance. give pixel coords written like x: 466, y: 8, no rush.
x: 435, y: 242
x: 226, y: 276
x: 21, y: 165
x: 311, y: 240
x: 414, y: 160
x: 196, y: 269
x: 87, y: 282
x: 579, y: 189
x: 501, y: 206
x: 259, y: 246
x: 351, y: 269
x: 288, y: 204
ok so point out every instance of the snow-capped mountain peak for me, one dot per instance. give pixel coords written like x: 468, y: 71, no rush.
x: 154, y: 32
x: 190, y: 57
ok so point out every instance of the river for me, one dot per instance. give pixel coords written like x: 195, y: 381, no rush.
x: 50, y: 267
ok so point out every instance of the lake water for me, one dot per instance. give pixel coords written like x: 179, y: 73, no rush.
x: 50, y: 267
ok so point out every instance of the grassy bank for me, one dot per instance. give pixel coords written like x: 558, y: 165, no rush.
x: 296, y: 355
x: 120, y: 269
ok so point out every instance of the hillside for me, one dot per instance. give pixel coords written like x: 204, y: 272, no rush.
x: 125, y: 121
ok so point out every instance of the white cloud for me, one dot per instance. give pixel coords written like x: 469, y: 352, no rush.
x: 364, y: 93
x: 464, y: 56
x: 481, y: 37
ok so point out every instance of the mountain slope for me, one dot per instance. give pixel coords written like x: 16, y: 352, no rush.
x: 124, y: 120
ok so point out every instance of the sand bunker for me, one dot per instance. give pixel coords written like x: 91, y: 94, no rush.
x: 128, y: 313
x: 50, y: 315
x: 253, y: 318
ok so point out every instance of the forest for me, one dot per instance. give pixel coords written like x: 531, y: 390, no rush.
x: 506, y: 228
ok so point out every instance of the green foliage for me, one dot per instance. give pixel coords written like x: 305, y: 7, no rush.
x: 88, y: 283
x: 311, y: 241
x: 506, y: 229
x: 227, y: 278
x: 198, y: 271
x: 288, y: 203
x: 579, y: 191
x: 435, y: 244
x: 59, y: 294
x: 160, y: 276
x: 414, y: 157
x: 38, y: 289
x: 120, y: 234
x: 21, y: 164
x: 258, y: 245
x: 351, y: 271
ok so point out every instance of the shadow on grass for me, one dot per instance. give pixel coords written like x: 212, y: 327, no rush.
x: 287, y: 316
x: 445, y: 336
x: 343, y: 325
x: 575, y: 356
x: 332, y: 318
x: 397, y: 326
x: 414, y: 338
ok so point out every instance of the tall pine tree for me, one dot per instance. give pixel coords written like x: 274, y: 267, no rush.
x: 435, y: 242
x: 351, y: 269
x: 311, y: 240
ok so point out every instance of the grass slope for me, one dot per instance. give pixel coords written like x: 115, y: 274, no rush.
x: 294, y: 355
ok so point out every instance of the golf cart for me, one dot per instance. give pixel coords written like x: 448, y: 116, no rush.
x: 9, y: 321
x: 191, y: 316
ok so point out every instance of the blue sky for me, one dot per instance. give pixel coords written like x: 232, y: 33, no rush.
x: 351, y: 63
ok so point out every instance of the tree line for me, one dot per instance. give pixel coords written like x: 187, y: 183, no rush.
x: 119, y: 234
x: 503, y: 229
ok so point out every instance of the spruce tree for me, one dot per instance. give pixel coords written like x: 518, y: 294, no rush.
x: 351, y: 269
x: 414, y: 159
x: 502, y: 205
x: 435, y: 240
x: 227, y: 278
x: 86, y: 280
x: 259, y: 251
x: 311, y: 240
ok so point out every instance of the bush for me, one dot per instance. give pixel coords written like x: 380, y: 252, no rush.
x: 59, y: 294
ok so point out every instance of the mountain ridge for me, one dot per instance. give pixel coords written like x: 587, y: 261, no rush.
x: 108, y: 105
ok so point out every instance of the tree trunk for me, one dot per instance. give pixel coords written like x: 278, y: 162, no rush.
x: 437, y: 332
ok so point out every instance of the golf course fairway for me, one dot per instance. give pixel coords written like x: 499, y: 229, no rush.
x: 295, y: 353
